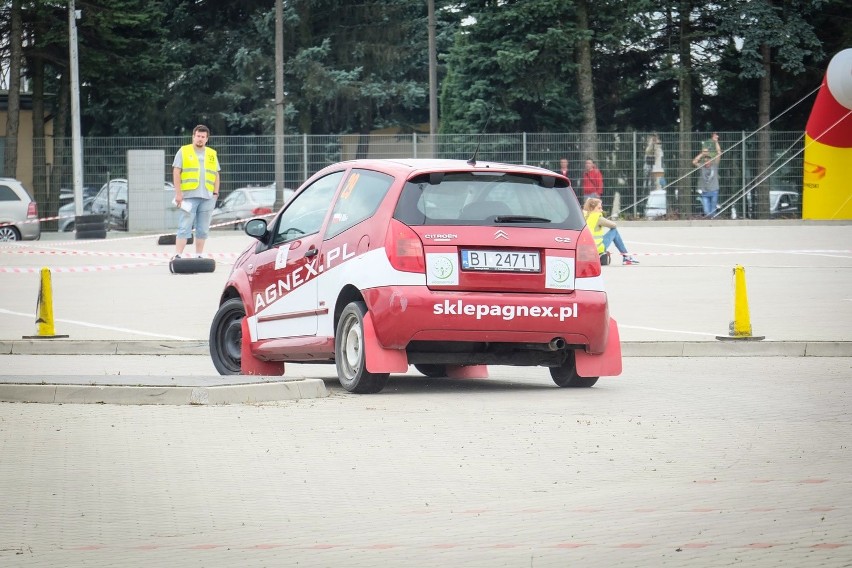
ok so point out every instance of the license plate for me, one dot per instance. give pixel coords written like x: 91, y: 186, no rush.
x: 500, y: 260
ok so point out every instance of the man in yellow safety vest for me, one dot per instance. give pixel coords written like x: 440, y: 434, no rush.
x: 195, y: 172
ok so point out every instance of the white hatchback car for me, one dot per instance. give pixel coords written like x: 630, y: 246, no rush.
x: 18, y: 212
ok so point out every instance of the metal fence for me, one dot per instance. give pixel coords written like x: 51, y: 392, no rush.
x: 250, y: 160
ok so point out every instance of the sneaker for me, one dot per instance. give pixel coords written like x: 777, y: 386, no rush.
x: 176, y: 257
x: 627, y: 259
x: 200, y: 255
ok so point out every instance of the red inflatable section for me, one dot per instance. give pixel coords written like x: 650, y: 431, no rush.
x: 823, y: 124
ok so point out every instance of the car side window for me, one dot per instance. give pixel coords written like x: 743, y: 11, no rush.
x: 361, y: 195
x: 8, y: 194
x: 305, y: 213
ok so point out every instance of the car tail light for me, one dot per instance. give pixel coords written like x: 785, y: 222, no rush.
x: 261, y: 211
x: 404, y: 248
x: 32, y: 210
x: 588, y: 260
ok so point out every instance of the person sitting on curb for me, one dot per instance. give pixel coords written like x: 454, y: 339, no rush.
x: 593, y: 212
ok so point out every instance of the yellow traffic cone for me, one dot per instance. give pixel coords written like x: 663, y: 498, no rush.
x: 45, y: 327
x: 740, y: 327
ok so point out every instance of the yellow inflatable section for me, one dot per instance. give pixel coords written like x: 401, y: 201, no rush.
x: 827, y: 179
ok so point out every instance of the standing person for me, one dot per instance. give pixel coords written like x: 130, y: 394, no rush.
x: 563, y: 170
x: 653, y: 161
x: 593, y: 212
x: 195, y: 172
x: 708, y: 184
x: 592, y: 180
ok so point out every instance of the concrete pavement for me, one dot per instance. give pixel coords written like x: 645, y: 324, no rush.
x: 700, y: 462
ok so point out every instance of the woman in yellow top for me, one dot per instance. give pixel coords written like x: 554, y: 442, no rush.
x: 593, y: 212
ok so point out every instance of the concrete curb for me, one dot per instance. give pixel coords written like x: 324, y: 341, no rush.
x: 138, y: 394
x: 629, y: 348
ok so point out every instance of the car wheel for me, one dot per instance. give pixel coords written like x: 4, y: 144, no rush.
x: 9, y: 233
x: 566, y: 375
x: 226, y: 337
x: 432, y: 371
x: 349, y: 353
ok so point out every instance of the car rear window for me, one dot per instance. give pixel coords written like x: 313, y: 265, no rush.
x: 487, y: 199
x: 8, y: 194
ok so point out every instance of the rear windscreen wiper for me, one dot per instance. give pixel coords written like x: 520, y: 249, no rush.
x: 519, y: 219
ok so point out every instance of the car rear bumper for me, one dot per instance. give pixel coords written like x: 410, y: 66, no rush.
x: 402, y: 314
x: 30, y: 231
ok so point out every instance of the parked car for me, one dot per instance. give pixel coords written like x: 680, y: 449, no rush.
x: 68, y: 212
x: 244, y: 203
x: 111, y: 201
x: 783, y: 204
x: 66, y: 194
x: 443, y: 264
x: 18, y: 212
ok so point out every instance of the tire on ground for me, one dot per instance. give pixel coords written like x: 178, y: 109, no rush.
x: 226, y: 337
x: 192, y: 265
x: 349, y: 353
x: 92, y: 226
x: 432, y: 370
x: 90, y: 234
x: 566, y: 375
x: 170, y: 240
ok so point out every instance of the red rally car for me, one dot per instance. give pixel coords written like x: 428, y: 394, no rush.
x: 446, y: 265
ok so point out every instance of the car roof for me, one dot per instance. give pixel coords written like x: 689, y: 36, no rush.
x: 415, y: 166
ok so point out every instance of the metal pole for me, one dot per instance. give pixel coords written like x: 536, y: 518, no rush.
x: 76, y: 147
x: 743, y: 150
x: 635, y: 174
x: 279, y: 104
x: 305, y: 151
x: 433, y: 71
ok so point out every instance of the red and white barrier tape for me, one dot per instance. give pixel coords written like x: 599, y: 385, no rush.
x: 59, y: 269
x: 63, y: 252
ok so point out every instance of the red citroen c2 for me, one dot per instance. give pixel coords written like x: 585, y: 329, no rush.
x: 446, y: 265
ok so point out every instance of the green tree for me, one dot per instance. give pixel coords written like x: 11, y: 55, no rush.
x: 773, y: 34
x: 512, y: 60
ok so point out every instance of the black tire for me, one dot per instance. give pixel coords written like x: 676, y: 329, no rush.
x: 226, y: 337
x: 90, y: 218
x: 90, y: 234
x: 566, y: 375
x: 170, y: 240
x: 9, y: 233
x: 431, y: 370
x: 97, y: 226
x: 349, y: 353
x: 191, y: 265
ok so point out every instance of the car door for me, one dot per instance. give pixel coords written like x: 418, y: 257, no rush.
x: 283, y: 277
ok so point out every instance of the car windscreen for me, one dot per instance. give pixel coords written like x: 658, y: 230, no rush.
x: 488, y: 199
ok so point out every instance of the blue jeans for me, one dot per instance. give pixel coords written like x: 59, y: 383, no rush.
x: 709, y: 202
x: 613, y: 236
x: 199, y: 215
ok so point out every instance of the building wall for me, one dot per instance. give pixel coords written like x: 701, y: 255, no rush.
x: 24, y: 171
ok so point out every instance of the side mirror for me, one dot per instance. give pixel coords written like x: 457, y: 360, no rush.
x: 256, y: 228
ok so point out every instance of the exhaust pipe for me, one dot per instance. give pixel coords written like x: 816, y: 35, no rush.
x: 556, y: 344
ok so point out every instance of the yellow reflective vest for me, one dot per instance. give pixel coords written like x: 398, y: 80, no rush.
x: 597, y: 230
x: 189, y: 173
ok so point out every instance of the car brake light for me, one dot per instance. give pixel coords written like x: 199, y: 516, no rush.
x: 404, y: 248
x: 587, y: 258
x: 32, y: 210
x: 261, y: 211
